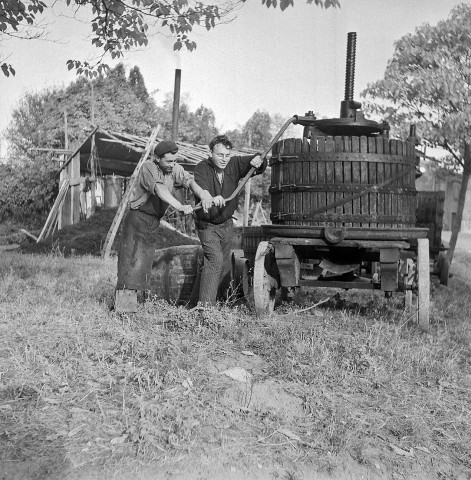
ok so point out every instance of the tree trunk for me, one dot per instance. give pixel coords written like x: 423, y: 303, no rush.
x: 455, y: 228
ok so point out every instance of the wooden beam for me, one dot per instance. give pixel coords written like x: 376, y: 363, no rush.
x: 55, y: 150
x: 30, y: 235
x: 127, y: 197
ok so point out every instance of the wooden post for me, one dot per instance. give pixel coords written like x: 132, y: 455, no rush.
x: 93, y: 175
x: 176, y: 104
x: 64, y: 175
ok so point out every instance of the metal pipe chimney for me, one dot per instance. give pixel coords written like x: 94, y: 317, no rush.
x: 176, y: 104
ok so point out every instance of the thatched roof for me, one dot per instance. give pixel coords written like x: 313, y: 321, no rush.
x: 118, y: 153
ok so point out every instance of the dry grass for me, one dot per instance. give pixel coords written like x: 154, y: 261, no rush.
x: 350, y: 381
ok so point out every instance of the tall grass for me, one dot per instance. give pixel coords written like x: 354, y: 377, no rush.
x: 351, y: 381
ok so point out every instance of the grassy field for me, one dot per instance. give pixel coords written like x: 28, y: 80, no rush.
x: 351, y: 389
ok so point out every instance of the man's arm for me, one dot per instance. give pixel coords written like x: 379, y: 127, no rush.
x: 246, y: 162
x: 204, y: 195
x: 163, y: 193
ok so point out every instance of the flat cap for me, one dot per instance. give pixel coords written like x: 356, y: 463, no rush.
x: 164, y: 147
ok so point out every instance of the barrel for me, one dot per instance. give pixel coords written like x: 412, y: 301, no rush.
x: 343, y: 181
x: 112, y: 191
x: 174, y: 272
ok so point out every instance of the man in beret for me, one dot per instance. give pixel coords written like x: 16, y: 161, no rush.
x: 219, y: 175
x: 149, y: 201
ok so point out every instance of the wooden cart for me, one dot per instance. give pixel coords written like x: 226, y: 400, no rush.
x: 343, y: 211
x: 391, y: 260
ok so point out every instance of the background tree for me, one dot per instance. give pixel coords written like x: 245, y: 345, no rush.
x: 136, y: 81
x: 119, y: 25
x: 236, y: 137
x: 428, y: 82
x: 257, y: 130
x: 120, y: 103
x: 198, y: 126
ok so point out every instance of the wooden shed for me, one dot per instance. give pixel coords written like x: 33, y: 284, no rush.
x: 108, y: 159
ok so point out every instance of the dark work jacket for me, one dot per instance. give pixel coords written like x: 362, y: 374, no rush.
x: 206, y: 178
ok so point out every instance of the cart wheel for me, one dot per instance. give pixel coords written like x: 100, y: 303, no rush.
x: 265, y: 279
x: 423, y: 267
x: 443, y: 269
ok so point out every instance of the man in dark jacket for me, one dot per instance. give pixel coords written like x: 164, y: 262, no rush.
x: 219, y: 175
x: 150, y: 199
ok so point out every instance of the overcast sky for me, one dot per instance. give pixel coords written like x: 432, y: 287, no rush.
x: 281, y: 62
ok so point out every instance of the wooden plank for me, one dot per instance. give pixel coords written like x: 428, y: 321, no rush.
x: 387, y: 175
x: 400, y: 204
x: 392, y: 172
x: 283, y: 179
x: 373, y: 197
x: 347, y: 175
x: 379, y: 176
x: 356, y: 178
x: 289, y: 149
x: 298, y: 175
x: 313, y: 203
x: 365, y: 200
x: 276, y: 178
x: 329, y: 171
x: 127, y: 196
x: 338, y: 171
x: 305, y: 180
x: 28, y: 234
x: 322, y: 196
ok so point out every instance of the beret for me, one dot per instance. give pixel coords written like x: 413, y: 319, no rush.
x: 164, y: 147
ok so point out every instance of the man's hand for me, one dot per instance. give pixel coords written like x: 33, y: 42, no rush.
x: 219, y: 201
x: 256, y: 161
x: 186, y: 209
x: 206, y: 201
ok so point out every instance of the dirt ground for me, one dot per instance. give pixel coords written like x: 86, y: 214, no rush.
x: 87, y: 238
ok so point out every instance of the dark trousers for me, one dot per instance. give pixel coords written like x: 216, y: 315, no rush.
x: 216, y: 272
x: 136, y: 252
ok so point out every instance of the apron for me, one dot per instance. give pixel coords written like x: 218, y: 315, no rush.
x: 136, y: 252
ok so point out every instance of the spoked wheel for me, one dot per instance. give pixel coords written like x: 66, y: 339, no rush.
x: 265, y: 279
x: 423, y: 294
